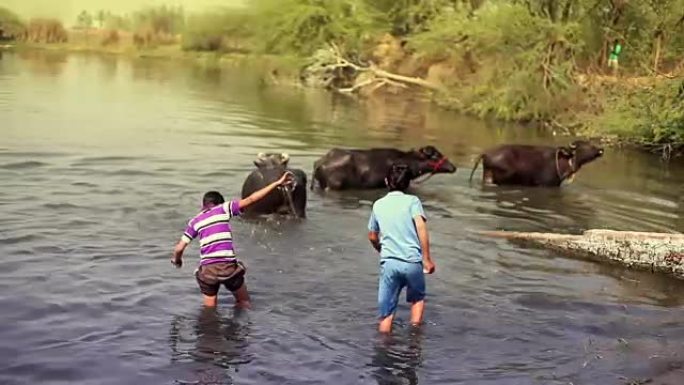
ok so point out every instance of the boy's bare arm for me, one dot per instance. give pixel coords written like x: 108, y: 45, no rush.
x: 424, y: 238
x: 258, y: 195
x: 177, y: 259
x: 374, y: 240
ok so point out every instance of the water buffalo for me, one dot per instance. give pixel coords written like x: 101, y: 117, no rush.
x: 284, y: 200
x: 341, y: 169
x: 525, y: 165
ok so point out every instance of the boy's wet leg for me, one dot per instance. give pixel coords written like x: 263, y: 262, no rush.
x: 242, y: 297
x: 209, y: 301
x: 385, y: 325
x: 417, y: 312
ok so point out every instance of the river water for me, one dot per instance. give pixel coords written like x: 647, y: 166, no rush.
x: 103, y: 159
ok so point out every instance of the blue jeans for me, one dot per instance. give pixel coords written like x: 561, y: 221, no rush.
x: 396, y: 274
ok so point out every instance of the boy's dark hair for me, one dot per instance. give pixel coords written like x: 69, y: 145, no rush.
x: 399, y: 177
x: 211, y: 199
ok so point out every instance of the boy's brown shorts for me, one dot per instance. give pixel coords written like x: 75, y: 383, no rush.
x: 210, y: 277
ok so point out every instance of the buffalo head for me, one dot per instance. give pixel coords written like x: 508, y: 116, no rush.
x: 272, y: 160
x: 582, y: 152
x: 433, y: 161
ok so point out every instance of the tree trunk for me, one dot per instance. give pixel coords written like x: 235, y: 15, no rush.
x: 656, y: 54
x: 603, y: 55
x: 567, y: 10
x: 659, y: 252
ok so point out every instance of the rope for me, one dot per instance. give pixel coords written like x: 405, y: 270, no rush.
x: 435, y: 168
x: 287, y: 193
x: 419, y: 181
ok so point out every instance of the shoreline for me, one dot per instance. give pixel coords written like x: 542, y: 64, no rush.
x: 284, y: 70
x: 174, y: 52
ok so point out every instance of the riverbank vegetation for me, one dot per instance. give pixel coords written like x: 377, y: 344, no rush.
x: 11, y: 26
x: 543, y: 61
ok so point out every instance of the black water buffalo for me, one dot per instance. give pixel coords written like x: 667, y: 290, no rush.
x: 341, y: 169
x: 283, y: 200
x: 525, y: 165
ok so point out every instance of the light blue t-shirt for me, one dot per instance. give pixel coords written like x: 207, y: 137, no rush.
x: 392, y: 217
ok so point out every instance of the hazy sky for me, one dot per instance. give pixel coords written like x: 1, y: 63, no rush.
x: 66, y: 10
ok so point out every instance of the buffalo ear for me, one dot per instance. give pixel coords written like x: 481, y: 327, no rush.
x: 259, y: 163
x: 573, y: 146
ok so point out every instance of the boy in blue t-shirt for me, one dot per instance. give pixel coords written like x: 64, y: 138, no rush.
x: 397, y: 230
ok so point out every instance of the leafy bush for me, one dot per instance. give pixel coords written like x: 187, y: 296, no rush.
x: 303, y: 26
x: 654, y: 114
x: 410, y: 16
x: 11, y: 26
x: 223, y: 30
x: 522, y: 64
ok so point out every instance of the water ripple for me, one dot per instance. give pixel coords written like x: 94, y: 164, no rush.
x: 90, y: 217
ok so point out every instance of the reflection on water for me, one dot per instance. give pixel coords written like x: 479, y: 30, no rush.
x: 104, y: 158
x: 538, y: 209
x: 396, y: 358
x: 218, y: 343
x: 44, y: 63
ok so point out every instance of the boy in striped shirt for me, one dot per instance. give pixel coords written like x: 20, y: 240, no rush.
x: 218, y: 261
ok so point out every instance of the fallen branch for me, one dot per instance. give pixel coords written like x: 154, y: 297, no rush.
x: 355, y: 87
x: 377, y: 77
x: 404, y: 79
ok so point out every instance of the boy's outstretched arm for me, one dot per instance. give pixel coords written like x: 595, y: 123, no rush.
x: 424, y: 238
x: 374, y: 240
x: 177, y: 259
x: 260, y: 194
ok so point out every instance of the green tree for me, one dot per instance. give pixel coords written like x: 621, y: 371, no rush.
x: 11, y: 27
x: 160, y: 20
x: 84, y: 20
x: 220, y: 30
x: 101, y: 17
x: 302, y: 26
x: 117, y: 22
x: 409, y: 16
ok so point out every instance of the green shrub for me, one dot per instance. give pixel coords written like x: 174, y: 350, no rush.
x: 227, y: 30
x: 303, y: 26
x: 160, y: 20
x: 411, y: 16
x: 157, y: 25
x: 11, y: 27
x: 650, y: 115
x: 522, y: 64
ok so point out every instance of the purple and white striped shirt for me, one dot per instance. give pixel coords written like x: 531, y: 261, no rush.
x: 213, y: 228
